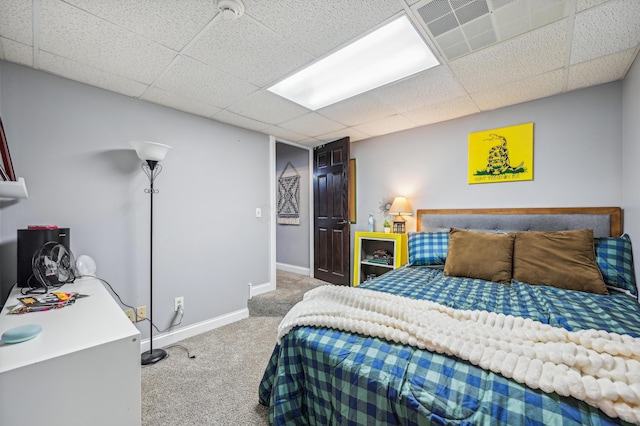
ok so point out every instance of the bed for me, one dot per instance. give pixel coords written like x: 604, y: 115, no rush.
x: 328, y: 375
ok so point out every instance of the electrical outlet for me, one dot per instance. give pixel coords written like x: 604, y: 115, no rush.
x: 141, y: 313
x: 130, y: 315
x: 178, y: 303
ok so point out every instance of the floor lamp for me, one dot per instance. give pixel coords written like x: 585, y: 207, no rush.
x: 151, y: 153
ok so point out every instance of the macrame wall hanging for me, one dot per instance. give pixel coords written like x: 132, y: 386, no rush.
x: 289, y: 196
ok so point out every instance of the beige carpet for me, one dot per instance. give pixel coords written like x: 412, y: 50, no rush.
x: 220, y: 386
x: 289, y: 290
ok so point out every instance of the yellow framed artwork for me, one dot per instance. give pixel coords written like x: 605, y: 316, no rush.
x: 501, y: 155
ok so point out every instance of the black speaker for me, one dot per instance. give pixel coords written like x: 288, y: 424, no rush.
x: 30, y: 241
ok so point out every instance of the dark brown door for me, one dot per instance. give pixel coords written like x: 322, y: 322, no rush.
x: 331, y: 211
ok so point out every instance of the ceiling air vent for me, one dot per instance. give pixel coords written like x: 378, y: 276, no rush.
x: 459, y: 27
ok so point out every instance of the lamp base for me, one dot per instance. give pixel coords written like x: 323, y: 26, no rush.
x: 151, y: 357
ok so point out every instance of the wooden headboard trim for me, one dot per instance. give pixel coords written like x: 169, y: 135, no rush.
x: 615, y: 213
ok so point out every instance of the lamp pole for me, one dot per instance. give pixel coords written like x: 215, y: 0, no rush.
x: 151, y: 153
x: 151, y: 169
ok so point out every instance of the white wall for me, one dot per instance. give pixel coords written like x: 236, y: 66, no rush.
x: 577, y: 158
x: 71, y: 144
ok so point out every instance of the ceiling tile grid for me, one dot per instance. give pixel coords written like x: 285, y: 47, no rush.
x: 16, y: 21
x: 425, y: 88
x: 600, y: 70
x: 383, y: 126
x: 535, y: 87
x: 524, y: 56
x: 583, y: 5
x: 358, y: 110
x: 183, y: 55
x: 265, y: 106
x: 18, y: 53
x: 313, y: 124
x: 220, y: 45
x: 84, y: 38
x: 85, y: 74
x: 175, y: 101
x: 321, y: 26
x: 172, y: 23
x: 227, y: 116
x: 200, y: 82
x: 443, y: 111
x: 353, y: 134
x: 287, y: 135
x: 606, y: 29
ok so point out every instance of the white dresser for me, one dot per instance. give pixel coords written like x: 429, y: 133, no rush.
x: 83, y: 368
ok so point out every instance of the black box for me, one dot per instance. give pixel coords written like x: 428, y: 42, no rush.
x: 29, y: 242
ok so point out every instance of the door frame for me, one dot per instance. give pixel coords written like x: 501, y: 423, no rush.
x: 273, y: 212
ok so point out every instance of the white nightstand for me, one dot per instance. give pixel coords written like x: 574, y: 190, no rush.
x: 83, y: 368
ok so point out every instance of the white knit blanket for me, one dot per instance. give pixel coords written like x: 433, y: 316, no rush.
x: 598, y: 367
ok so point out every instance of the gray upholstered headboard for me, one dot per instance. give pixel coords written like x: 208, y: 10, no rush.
x: 605, y: 221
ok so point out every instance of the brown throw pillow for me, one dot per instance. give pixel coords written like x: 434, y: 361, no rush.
x: 479, y: 255
x: 563, y: 259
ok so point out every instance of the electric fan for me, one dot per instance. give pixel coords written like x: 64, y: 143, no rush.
x: 53, y: 265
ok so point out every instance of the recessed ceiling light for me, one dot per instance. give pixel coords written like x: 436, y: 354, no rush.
x: 388, y: 54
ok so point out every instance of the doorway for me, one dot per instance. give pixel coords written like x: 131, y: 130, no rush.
x: 284, y: 237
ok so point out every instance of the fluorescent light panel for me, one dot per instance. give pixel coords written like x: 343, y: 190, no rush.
x: 387, y: 54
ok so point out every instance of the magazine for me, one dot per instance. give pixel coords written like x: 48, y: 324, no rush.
x: 44, y: 302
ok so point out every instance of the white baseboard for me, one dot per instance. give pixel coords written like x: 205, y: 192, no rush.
x: 257, y: 289
x: 293, y: 268
x: 174, y: 336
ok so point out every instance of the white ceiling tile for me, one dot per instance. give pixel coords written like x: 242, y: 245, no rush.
x: 394, y: 123
x: 203, y: 83
x: 226, y: 43
x: 586, y: 4
x: 74, y: 34
x: 172, y: 23
x: 425, y: 88
x: 524, y: 56
x: 357, y: 110
x: 446, y: 110
x: 85, y: 74
x: 285, y: 134
x: 606, y: 29
x: 226, y: 116
x: 269, y: 108
x: 536, y: 87
x: 354, y: 135
x: 312, y: 124
x: 13, y: 51
x: 16, y: 21
x: 601, y: 70
x: 312, y: 142
x: 321, y: 26
x: 179, y: 102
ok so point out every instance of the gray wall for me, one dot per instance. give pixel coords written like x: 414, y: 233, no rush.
x: 71, y: 144
x: 293, y: 241
x: 631, y: 153
x: 577, y: 158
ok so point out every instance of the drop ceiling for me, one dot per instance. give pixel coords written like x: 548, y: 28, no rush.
x: 182, y: 54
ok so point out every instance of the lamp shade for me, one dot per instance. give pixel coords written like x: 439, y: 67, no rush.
x: 400, y: 206
x: 150, y: 151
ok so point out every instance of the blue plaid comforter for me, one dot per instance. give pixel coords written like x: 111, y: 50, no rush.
x: 319, y: 376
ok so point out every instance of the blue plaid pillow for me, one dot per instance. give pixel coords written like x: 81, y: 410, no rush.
x: 615, y: 259
x: 428, y: 248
